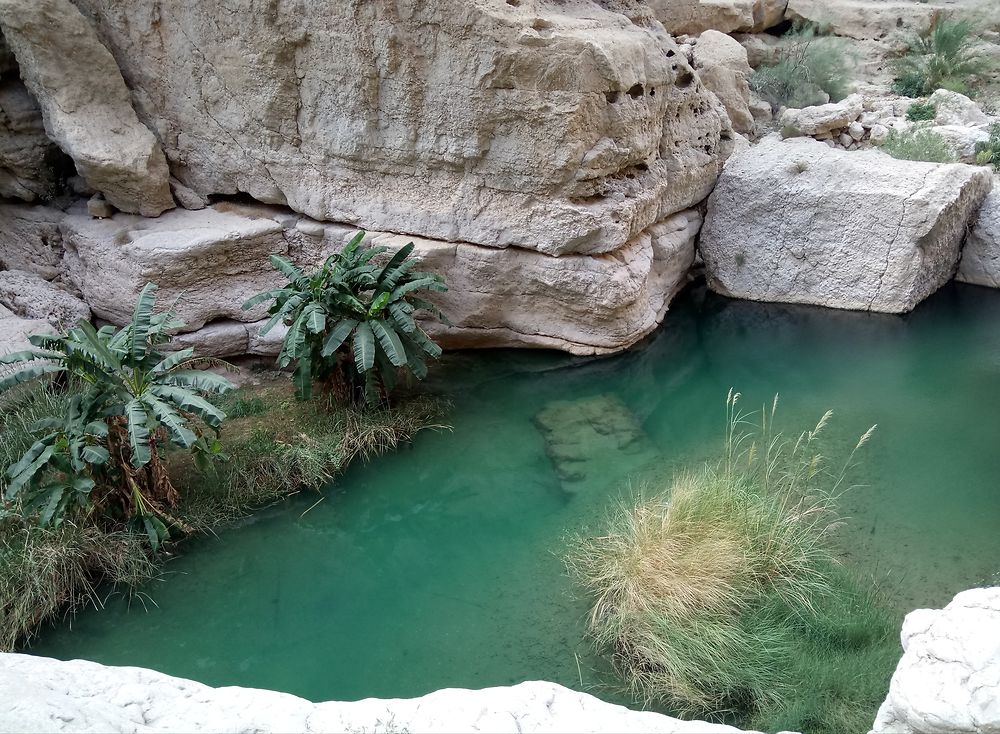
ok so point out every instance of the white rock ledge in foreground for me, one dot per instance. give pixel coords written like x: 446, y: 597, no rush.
x: 949, y: 678
x: 44, y: 695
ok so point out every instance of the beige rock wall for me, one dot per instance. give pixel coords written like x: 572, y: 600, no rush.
x: 561, y: 127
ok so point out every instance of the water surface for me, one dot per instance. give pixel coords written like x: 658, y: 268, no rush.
x: 439, y: 565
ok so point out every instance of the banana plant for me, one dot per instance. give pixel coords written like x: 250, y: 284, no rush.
x: 132, y: 400
x: 351, y: 324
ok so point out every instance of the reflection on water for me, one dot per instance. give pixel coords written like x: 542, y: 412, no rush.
x: 439, y: 565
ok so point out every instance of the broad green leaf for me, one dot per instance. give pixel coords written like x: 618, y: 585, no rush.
x: 24, y: 470
x: 425, y: 342
x: 202, y: 380
x: 338, y: 335
x: 302, y: 379
x: 315, y: 318
x: 364, y: 347
x: 28, y: 355
x: 286, y: 268
x: 378, y: 304
x: 389, y: 272
x: 105, y: 356
x: 93, y: 454
x: 171, y: 420
x: 265, y: 296
x: 141, y: 317
x: 190, y: 402
x: 138, y: 432
x: 410, y: 286
x: 389, y: 341
x: 172, y: 360
x: 402, y: 318
x: 26, y: 374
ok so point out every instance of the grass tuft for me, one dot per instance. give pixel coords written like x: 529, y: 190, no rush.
x: 721, y: 598
x: 919, y: 144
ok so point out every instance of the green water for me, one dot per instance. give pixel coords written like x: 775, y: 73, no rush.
x: 439, y: 565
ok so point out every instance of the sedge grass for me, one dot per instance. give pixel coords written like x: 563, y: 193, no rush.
x: 716, y: 596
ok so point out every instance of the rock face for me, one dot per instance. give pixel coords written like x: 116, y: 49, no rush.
x: 30, y: 163
x: 551, y: 126
x: 721, y: 62
x: 85, y: 104
x: 15, y: 330
x: 32, y: 297
x: 981, y: 255
x: 798, y: 222
x: 44, y: 695
x: 825, y: 118
x: 948, y: 680
x: 695, y: 16
x: 865, y: 19
x: 212, y: 260
x: 30, y: 239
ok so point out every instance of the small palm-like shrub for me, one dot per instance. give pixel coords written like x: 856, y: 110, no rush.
x: 921, y: 111
x: 919, y: 144
x: 351, y: 324
x: 101, y: 458
x: 946, y: 57
x: 812, y: 67
x: 706, y: 594
x: 988, y: 152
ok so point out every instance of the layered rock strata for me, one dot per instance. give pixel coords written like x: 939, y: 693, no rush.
x: 798, y: 222
x: 559, y: 127
x: 209, y: 262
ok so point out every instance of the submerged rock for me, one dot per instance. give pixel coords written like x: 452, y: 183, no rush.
x: 85, y: 103
x: 798, y: 222
x: 948, y: 680
x: 585, y: 437
x: 48, y: 695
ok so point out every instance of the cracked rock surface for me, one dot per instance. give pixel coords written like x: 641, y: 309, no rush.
x: 948, y: 680
x: 796, y: 221
x: 45, y: 695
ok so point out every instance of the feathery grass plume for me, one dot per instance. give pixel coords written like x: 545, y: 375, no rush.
x: 704, y: 592
x: 813, y: 69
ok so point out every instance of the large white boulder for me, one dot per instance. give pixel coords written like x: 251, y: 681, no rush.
x: 44, y: 695
x: 85, y: 103
x: 957, y: 110
x: 948, y: 681
x: 980, y: 263
x: 15, y: 330
x: 824, y: 118
x: 721, y: 63
x: 796, y: 221
x: 546, y: 125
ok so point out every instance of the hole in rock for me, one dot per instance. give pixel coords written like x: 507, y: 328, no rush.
x: 635, y: 91
x: 684, y: 78
x: 652, y: 91
x: 670, y: 52
x: 515, y: 3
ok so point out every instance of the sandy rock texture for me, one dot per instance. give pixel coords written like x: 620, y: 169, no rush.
x: 721, y: 63
x: 85, y: 103
x: 866, y: 19
x: 30, y: 239
x: 561, y: 127
x: 695, y: 16
x: 980, y: 263
x: 46, y: 695
x: 948, y: 680
x: 31, y: 296
x: 30, y: 164
x: 15, y: 330
x: 796, y: 221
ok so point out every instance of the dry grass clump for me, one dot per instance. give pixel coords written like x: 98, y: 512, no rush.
x: 703, y: 593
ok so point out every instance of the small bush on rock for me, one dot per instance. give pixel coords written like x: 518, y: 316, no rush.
x: 813, y: 69
x: 946, y: 57
x: 921, y: 111
x: 919, y: 144
x: 988, y: 153
x: 711, y: 597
